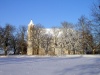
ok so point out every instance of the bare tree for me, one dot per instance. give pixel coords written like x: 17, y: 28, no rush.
x: 37, y: 38
x: 65, y: 37
x: 70, y: 38
x: 55, y: 37
x: 1, y: 36
x: 6, y: 34
x: 21, y: 40
x: 47, y: 42
x: 96, y: 24
x: 14, y: 43
x: 84, y: 26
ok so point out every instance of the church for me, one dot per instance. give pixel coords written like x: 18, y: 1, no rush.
x: 53, y: 46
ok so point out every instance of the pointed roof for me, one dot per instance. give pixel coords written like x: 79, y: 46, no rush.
x: 31, y: 23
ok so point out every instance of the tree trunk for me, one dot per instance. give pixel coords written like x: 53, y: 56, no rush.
x: 14, y: 50
x: 5, y: 52
x: 74, y: 52
x: 93, y: 51
x: 68, y: 51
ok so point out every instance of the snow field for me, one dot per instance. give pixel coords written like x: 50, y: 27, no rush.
x: 46, y: 65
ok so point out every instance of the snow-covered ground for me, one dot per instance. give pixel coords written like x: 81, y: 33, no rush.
x: 36, y: 65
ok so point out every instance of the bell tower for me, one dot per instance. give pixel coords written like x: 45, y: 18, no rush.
x: 29, y: 40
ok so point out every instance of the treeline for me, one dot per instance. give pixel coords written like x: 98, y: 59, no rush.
x: 13, y: 39
x: 83, y: 37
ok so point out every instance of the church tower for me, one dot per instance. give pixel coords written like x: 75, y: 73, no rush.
x: 29, y: 41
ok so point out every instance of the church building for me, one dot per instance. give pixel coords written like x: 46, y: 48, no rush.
x: 46, y: 45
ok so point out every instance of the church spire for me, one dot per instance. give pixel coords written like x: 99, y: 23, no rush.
x: 29, y: 41
x: 31, y: 22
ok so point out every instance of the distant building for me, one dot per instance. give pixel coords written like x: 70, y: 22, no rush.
x: 56, y: 45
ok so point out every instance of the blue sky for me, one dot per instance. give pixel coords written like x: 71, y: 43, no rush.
x: 49, y: 13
